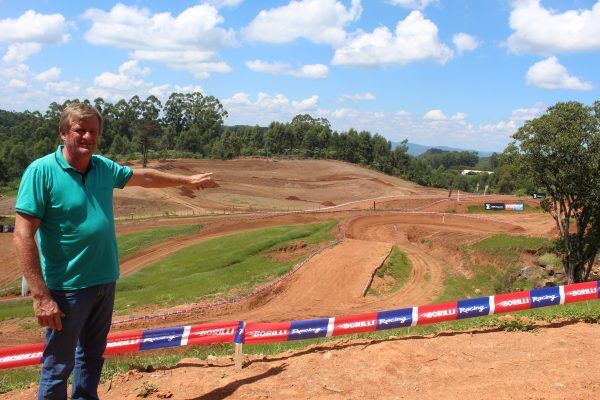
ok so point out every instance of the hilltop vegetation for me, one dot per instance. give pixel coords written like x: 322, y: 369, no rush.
x: 192, y: 126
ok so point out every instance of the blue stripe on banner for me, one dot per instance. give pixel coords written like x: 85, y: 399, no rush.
x: 598, y: 282
x: 308, y: 329
x: 394, y: 318
x: 543, y: 297
x: 473, y: 307
x: 159, y: 338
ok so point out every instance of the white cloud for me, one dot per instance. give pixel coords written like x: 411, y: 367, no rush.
x: 403, y: 113
x: 128, y: 81
x: 435, y: 115
x: 356, y: 97
x: 17, y: 83
x: 34, y: 27
x: 465, y: 42
x: 130, y: 77
x: 306, y: 104
x: 459, y: 116
x: 414, y: 4
x: 224, y: 3
x: 266, y: 108
x: 19, y: 52
x: 65, y: 88
x: 320, y: 21
x: 517, y: 118
x: 544, y: 31
x: 162, y: 92
x: 526, y: 114
x: 49, y: 75
x: 313, y: 71
x: 189, y: 41
x: 415, y: 39
x: 550, y: 74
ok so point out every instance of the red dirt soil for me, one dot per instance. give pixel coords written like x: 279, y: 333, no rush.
x: 471, y: 365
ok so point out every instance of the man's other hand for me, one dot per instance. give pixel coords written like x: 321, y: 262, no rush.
x: 47, y: 312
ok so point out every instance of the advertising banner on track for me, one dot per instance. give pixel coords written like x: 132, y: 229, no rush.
x: 395, y: 318
x: 581, y: 292
x: 349, y: 324
x: 441, y: 312
x: 266, y: 332
x: 21, y: 356
x: 494, y: 206
x: 514, y: 206
x: 509, y: 302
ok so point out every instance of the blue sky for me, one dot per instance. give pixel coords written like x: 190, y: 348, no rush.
x: 461, y: 73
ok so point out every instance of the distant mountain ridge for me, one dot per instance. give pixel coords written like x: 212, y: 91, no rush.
x: 415, y: 149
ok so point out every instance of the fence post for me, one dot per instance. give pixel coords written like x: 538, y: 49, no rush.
x: 238, y: 357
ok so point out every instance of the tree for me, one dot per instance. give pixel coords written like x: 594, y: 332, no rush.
x: 560, y: 151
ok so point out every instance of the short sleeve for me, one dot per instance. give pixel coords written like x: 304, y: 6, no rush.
x: 121, y: 175
x: 33, y: 195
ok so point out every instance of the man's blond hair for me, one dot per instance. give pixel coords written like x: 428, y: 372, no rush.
x: 81, y: 110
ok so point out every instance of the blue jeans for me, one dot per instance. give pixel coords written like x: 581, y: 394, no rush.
x: 79, y: 346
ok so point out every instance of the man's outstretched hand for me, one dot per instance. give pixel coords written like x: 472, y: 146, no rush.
x: 201, y: 181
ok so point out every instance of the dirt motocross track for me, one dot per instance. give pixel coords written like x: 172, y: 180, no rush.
x: 558, y: 361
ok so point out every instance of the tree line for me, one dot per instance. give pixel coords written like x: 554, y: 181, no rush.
x: 192, y: 125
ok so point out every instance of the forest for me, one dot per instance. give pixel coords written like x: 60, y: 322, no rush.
x: 192, y: 125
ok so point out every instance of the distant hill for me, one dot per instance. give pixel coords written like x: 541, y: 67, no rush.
x: 415, y: 149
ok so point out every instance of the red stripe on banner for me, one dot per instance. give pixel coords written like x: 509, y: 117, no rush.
x: 266, y: 332
x: 221, y: 332
x: 581, y: 292
x: 21, y: 356
x: 348, y: 324
x: 512, y: 302
x: 437, y: 313
x: 120, y: 343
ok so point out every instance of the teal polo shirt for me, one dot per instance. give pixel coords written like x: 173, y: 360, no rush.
x: 76, y: 237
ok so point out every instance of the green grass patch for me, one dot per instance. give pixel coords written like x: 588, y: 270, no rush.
x: 503, y: 241
x: 134, y: 242
x: 16, y: 309
x: 396, y: 268
x: 501, y: 275
x: 228, y: 266
x: 550, y: 259
x: 7, y: 220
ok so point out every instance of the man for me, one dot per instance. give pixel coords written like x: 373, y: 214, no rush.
x: 66, y: 197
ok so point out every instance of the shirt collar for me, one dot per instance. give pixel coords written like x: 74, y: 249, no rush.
x: 60, y: 159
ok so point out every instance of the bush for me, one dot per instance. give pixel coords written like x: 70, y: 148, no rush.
x: 547, y: 259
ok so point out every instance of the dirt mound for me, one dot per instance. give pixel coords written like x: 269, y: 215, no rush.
x: 328, y: 203
x: 187, y: 192
x: 292, y: 198
x: 291, y: 252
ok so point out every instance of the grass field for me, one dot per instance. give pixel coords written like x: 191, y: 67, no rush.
x: 397, y: 268
x: 134, y: 242
x: 227, y: 267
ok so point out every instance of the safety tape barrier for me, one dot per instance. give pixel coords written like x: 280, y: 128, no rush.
x: 269, y: 332
x: 220, y: 332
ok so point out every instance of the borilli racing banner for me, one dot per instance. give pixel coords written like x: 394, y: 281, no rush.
x: 222, y: 332
x: 269, y: 332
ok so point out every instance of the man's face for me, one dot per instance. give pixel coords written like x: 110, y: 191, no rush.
x: 82, y: 137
